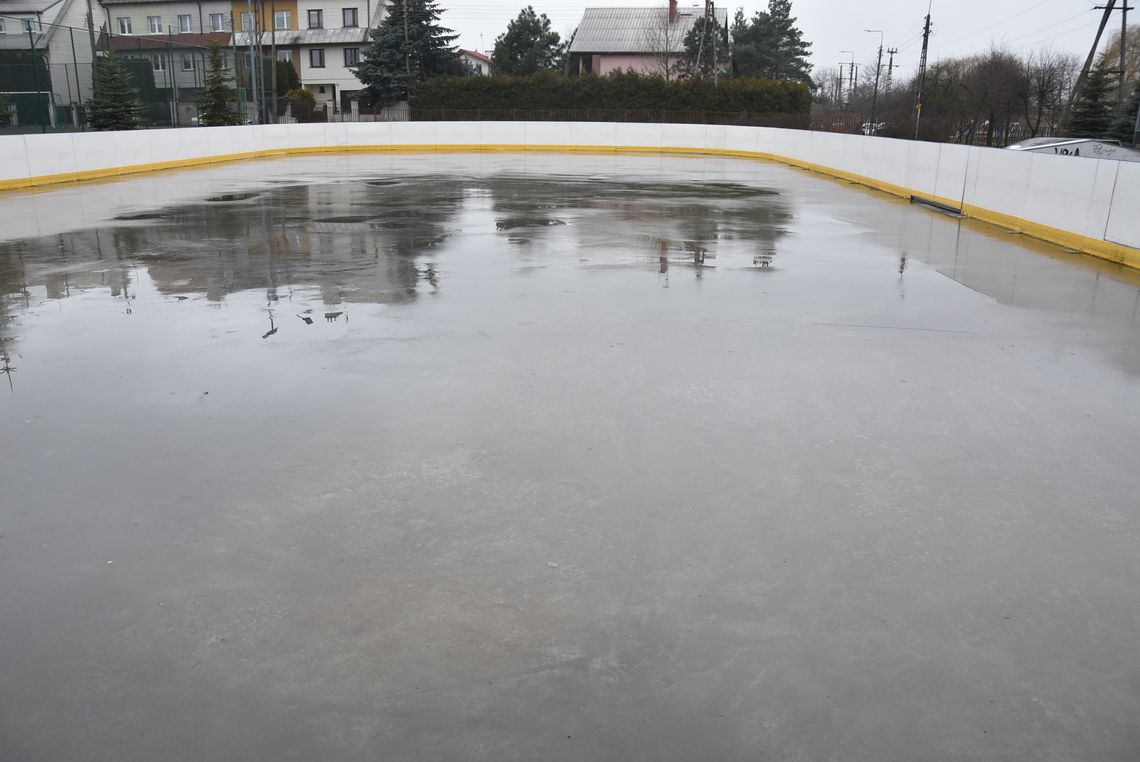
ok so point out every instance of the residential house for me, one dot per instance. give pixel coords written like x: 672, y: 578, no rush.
x: 173, y: 37
x: 323, y: 40
x: 480, y: 63
x: 645, y: 40
x: 59, y: 33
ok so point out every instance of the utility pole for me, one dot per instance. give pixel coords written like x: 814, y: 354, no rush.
x: 839, y: 86
x: 854, y: 81
x: 1123, y: 46
x: 878, y: 71
x: 173, y: 76
x: 241, y: 91
x: 851, y: 74
x: 253, y: 63
x: 407, y: 48
x: 75, y: 65
x: 922, y: 71
x: 1108, y: 9
x: 1124, y: 8
x: 891, y: 68
x: 710, y: 16
x: 273, y: 55
x: 91, y: 35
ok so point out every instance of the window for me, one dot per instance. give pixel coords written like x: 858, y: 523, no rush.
x: 247, y: 22
x: 282, y: 20
x: 29, y: 25
x: 349, y: 17
x: 2, y: 26
x: 316, y: 20
x: 351, y: 56
x: 159, y: 61
x: 124, y: 25
x: 217, y: 22
x: 154, y: 24
x: 285, y: 55
x: 317, y: 57
x: 189, y: 63
x: 185, y: 25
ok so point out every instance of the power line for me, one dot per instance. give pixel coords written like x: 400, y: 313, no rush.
x: 1055, y: 24
x: 1050, y: 38
x: 1035, y: 6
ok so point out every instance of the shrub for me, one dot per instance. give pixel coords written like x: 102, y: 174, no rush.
x: 620, y: 90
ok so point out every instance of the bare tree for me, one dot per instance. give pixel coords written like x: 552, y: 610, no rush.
x: 995, y: 83
x: 1046, y: 82
x: 664, y: 42
x: 1131, y: 56
x: 825, y: 83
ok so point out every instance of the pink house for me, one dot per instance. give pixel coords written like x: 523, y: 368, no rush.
x: 645, y: 40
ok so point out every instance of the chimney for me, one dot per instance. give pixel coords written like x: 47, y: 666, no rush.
x: 672, y: 11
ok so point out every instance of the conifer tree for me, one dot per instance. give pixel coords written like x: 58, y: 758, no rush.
x: 216, y: 94
x: 114, y: 104
x: 1092, y: 113
x: 408, y: 45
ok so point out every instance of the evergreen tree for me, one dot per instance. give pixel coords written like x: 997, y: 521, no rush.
x: 409, y: 45
x: 287, y: 78
x: 114, y: 104
x: 216, y: 95
x: 1092, y: 113
x: 1125, y: 130
x: 771, y: 45
x: 528, y: 46
x: 707, y: 50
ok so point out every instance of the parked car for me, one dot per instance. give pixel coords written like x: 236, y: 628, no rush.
x: 1086, y: 147
x: 882, y: 129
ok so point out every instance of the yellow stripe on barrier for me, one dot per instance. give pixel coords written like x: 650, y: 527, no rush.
x: 1113, y: 252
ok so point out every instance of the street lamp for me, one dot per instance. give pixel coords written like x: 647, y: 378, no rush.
x: 878, y: 68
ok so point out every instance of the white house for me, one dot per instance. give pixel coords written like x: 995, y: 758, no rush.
x: 322, y: 40
x: 480, y: 63
x: 59, y: 32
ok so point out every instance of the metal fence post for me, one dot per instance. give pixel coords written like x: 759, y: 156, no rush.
x: 173, y: 75
x: 35, y: 70
x: 78, y: 87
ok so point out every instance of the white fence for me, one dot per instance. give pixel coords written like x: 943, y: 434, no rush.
x: 1088, y: 204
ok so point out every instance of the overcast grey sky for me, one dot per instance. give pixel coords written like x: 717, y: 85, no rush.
x: 960, y: 26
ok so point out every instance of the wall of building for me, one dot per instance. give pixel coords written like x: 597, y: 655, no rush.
x: 334, y: 74
x: 1085, y: 204
x: 167, y: 13
x: 68, y: 46
x: 606, y: 64
x: 331, y: 11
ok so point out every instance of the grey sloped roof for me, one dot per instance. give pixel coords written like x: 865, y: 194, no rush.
x: 289, y: 37
x: 48, y: 12
x: 637, y: 30
x: 29, y: 6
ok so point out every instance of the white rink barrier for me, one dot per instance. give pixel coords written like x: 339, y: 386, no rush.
x: 1090, y: 205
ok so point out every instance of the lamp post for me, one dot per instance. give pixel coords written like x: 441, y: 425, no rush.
x: 878, y: 68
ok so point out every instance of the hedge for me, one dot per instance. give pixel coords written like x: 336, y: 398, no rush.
x: 620, y: 90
